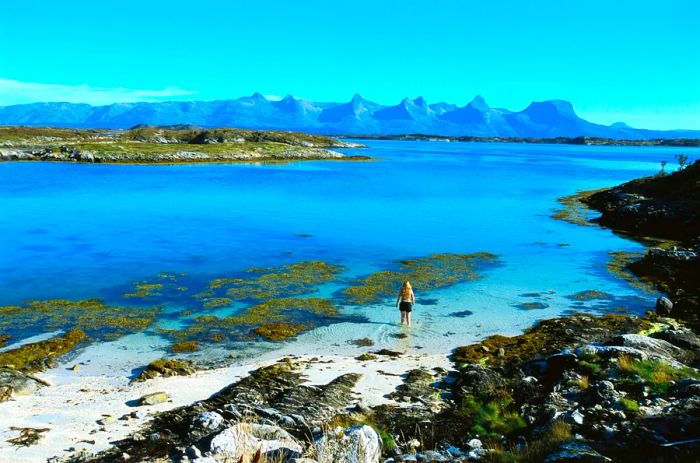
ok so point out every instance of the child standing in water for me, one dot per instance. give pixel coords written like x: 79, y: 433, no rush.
x: 405, y: 302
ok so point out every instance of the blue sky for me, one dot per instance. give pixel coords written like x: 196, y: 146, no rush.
x: 634, y: 61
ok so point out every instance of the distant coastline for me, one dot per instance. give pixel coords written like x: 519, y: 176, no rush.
x: 592, y: 141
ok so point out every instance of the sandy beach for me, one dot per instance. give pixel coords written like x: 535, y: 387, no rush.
x: 77, y: 402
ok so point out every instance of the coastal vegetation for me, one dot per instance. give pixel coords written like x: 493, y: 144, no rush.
x: 153, y: 145
x: 574, y: 210
x: 289, y: 280
x: 273, y: 319
x: 546, y: 336
x: 33, y: 357
x: 97, y: 319
x: 656, y: 374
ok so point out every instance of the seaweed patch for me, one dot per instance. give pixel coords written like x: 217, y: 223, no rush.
x: 33, y: 357
x: 274, y: 320
x: 589, y: 295
x: 461, y: 314
x: 164, y: 285
x: 269, y: 282
x: 532, y: 306
x: 93, y: 316
x: 424, y: 273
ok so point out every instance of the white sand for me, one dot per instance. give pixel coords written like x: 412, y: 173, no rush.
x: 75, y: 402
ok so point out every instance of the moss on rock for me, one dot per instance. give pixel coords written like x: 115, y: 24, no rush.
x: 546, y: 337
x: 165, y: 368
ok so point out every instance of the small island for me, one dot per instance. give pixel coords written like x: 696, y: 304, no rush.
x: 166, y: 145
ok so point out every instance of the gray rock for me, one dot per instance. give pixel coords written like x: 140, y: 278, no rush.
x: 475, y: 444
x: 557, y: 363
x: 362, y: 408
x: 577, y: 417
x: 476, y: 454
x: 205, y: 460
x: 193, y: 452
x: 108, y: 419
x: 575, y: 452
x: 664, y: 306
x: 244, y: 439
x: 154, y: 398
x: 652, y: 347
x: 13, y: 382
x: 233, y: 410
x: 687, y: 387
x: 209, y: 421
x: 432, y: 455
x: 455, y: 451
x: 356, y: 444
x: 606, y: 390
x: 681, y: 337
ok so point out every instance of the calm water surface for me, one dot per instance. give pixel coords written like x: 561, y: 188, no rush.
x: 81, y: 231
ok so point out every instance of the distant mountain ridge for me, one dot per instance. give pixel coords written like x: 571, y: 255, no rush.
x: 359, y: 116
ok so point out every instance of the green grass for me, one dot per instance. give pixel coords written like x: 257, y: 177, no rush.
x: 537, y: 449
x: 656, y: 374
x: 629, y: 405
x: 490, y: 419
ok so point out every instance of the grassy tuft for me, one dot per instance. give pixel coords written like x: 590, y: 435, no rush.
x: 656, y: 374
x: 629, y: 405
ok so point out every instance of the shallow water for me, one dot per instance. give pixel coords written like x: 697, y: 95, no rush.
x: 83, y: 231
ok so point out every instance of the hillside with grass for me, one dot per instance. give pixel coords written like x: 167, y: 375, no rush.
x: 153, y: 145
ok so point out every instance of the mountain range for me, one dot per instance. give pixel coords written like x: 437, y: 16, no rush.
x: 359, y: 116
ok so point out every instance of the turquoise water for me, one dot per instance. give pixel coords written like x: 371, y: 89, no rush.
x: 82, y: 231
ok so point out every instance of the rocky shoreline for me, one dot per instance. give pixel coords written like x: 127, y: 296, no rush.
x: 577, y: 388
x: 662, y: 212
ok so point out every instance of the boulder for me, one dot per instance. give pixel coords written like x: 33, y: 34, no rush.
x: 208, y: 421
x: 13, y: 382
x: 193, y: 452
x: 683, y: 338
x: 664, y: 306
x: 478, y: 380
x: 243, y: 440
x: 557, y: 363
x: 652, y: 347
x: 356, y: 444
x: 575, y: 452
x: 154, y: 398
